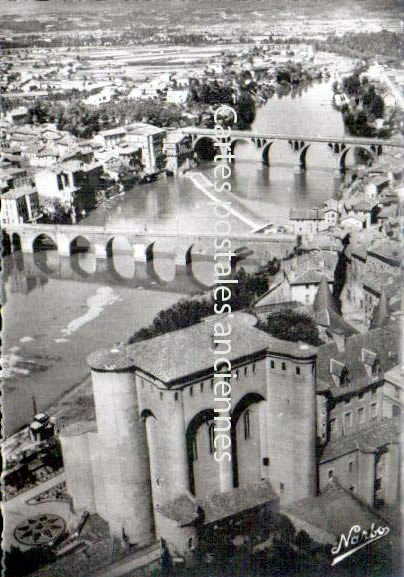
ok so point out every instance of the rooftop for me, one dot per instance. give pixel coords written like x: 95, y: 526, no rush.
x: 306, y: 214
x: 377, y: 434
x: 388, y: 250
x: 186, y: 509
x: 185, y: 352
x: 333, y: 511
x: 383, y: 341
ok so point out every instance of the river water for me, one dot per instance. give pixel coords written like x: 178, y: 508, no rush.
x: 55, y: 315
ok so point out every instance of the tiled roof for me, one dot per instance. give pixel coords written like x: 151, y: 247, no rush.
x: 312, y: 276
x: 181, y: 353
x: 334, y: 511
x: 379, y: 281
x: 335, y: 323
x: 379, y: 433
x: 186, y: 509
x: 388, y: 250
x: 79, y: 428
x: 324, y: 299
x: 306, y: 214
x: 384, y: 342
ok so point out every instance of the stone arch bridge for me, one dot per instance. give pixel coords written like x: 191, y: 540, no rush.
x: 263, y: 141
x: 183, y: 248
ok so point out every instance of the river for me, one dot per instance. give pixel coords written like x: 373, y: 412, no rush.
x: 55, y: 319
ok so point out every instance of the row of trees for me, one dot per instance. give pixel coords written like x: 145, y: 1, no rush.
x: 286, y: 325
x: 187, y: 312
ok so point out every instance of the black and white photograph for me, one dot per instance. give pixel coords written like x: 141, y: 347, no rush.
x: 202, y: 206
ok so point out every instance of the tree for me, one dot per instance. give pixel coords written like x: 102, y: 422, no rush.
x: 291, y: 326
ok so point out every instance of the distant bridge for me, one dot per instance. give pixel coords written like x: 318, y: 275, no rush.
x: 145, y: 246
x: 339, y: 145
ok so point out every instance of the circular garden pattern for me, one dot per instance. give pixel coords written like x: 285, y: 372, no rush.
x: 40, y: 530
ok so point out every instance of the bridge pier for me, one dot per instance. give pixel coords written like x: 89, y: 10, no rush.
x: 140, y: 252
x: 100, y: 251
x: 27, y: 245
x: 299, y: 169
x: 63, y: 245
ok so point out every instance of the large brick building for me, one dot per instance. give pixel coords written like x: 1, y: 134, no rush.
x: 149, y: 466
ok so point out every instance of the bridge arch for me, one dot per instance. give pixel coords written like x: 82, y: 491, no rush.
x: 16, y: 241
x: 44, y: 241
x: 344, y: 153
x: 45, y: 249
x: 235, y: 141
x: 303, y: 154
x: 80, y: 249
x: 121, y: 262
x: 204, y: 147
x: 265, y: 152
x: 246, y: 431
x: 79, y: 244
x: 190, y: 269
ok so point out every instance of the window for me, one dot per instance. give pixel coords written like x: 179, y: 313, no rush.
x: 253, y: 368
x: 201, y: 387
x: 352, y: 488
x: 361, y: 395
x: 333, y: 425
x: 265, y: 461
x: 376, y: 369
x: 211, y: 432
x: 347, y: 420
x: 161, y: 396
x: 344, y: 380
x: 378, y: 484
x: 283, y: 366
x: 282, y: 487
x: 247, y: 424
x: 330, y: 473
x: 361, y: 415
x: 350, y: 466
x: 397, y: 392
x: 236, y: 374
x: 396, y: 411
x: 211, y: 384
x: 272, y: 364
x: 191, y: 391
x: 175, y: 396
x: 347, y: 400
x: 245, y: 371
x: 190, y: 543
x: 373, y: 410
x: 298, y: 370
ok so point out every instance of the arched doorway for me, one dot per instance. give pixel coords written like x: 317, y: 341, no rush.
x: 246, y: 440
x: 203, y: 468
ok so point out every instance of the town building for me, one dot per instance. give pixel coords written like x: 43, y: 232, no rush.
x: 20, y: 205
x: 178, y: 150
x: 151, y: 140
x: 307, y: 221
